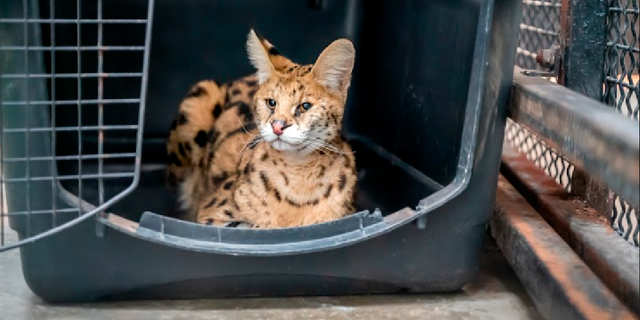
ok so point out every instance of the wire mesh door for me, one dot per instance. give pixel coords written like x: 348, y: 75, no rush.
x: 621, y: 91
x: 541, y: 29
x: 62, y: 71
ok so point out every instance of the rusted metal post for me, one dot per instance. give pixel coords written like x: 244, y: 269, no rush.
x: 582, y: 45
x: 581, y: 69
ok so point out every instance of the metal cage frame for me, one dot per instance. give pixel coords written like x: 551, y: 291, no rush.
x: 571, y: 156
x: 27, y: 46
x: 610, y: 75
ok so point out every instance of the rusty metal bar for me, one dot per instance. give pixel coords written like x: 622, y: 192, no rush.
x: 613, y: 259
x: 591, y: 135
x: 583, y: 41
x: 560, y: 284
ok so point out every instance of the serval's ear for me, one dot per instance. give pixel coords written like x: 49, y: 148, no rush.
x: 334, y: 66
x: 265, y: 57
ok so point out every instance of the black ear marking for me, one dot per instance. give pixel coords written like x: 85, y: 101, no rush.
x: 274, y: 51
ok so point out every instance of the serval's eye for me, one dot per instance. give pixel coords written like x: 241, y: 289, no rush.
x: 271, y: 103
x: 306, y: 106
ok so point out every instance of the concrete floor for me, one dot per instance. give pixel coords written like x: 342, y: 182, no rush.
x: 495, y: 294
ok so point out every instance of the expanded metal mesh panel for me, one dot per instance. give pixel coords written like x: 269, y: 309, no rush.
x: 60, y: 99
x: 538, y: 152
x: 622, y: 57
x: 624, y: 219
x: 538, y: 30
x: 621, y: 90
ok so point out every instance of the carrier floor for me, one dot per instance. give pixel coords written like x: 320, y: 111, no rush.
x: 496, y: 294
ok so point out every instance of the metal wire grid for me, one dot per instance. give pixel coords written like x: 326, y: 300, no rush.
x: 538, y: 30
x: 59, y: 80
x: 621, y: 91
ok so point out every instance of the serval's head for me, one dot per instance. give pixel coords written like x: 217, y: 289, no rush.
x: 299, y: 108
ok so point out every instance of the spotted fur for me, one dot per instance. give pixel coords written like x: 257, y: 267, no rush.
x: 266, y: 150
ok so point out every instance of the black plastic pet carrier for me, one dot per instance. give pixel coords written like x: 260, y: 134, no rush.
x: 89, y: 89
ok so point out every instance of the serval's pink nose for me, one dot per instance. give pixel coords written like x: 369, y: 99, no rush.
x: 278, y: 127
